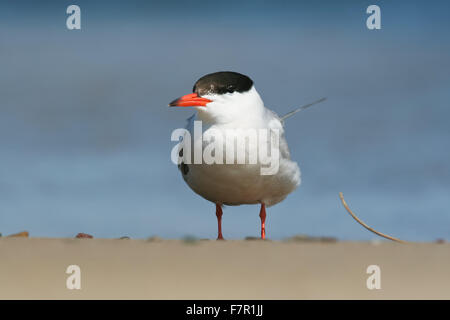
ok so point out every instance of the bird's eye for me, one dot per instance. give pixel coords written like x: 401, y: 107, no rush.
x: 230, y: 88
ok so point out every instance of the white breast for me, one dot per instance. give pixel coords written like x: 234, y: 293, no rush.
x: 236, y: 184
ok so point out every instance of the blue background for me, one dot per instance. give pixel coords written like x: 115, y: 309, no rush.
x: 85, y: 129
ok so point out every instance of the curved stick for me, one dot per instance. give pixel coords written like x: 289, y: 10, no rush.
x: 365, y: 225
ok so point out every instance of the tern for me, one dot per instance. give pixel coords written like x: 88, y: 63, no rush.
x: 227, y: 101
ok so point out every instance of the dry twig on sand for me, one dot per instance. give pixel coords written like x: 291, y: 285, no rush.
x: 365, y: 225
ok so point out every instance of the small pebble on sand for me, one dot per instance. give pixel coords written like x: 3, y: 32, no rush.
x: 82, y: 235
x: 24, y: 234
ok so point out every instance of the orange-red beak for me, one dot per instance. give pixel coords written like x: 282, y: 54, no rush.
x: 190, y: 100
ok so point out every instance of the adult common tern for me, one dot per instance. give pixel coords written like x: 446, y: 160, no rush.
x: 228, y: 102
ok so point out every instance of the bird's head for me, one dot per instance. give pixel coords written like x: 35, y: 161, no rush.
x: 222, y: 97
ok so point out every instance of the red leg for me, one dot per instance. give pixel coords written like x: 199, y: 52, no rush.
x: 262, y: 215
x: 219, y: 221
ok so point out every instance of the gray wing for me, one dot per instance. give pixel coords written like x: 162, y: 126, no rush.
x: 190, y: 122
x: 190, y: 127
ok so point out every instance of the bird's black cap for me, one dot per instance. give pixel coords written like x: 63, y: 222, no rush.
x: 222, y: 82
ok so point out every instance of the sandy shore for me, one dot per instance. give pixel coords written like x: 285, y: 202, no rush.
x: 33, y: 268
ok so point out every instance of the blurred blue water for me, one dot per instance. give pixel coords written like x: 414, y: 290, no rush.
x: 85, y: 131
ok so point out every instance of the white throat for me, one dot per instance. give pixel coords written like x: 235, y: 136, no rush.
x: 233, y: 107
